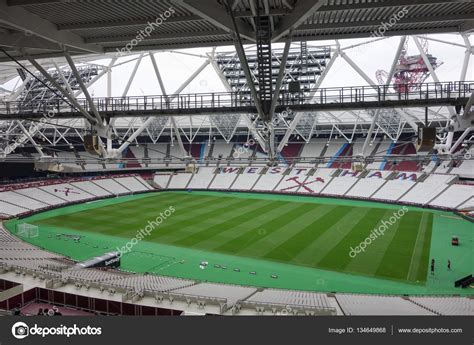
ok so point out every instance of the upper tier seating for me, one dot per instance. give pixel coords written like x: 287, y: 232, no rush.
x: 222, y: 149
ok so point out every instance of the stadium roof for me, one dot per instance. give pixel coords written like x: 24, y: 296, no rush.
x: 44, y: 28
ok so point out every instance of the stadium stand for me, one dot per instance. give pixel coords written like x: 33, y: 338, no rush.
x: 291, y: 180
x: 91, y: 188
x: 222, y: 149
x: 454, y: 196
x: 10, y: 209
x: 232, y: 293
x: 287, y: 302
x: 179, y: 181
x: 270, y: 180
x: 247, y: 179
x: 318, y: 181
x: 224, y: 179
x: 446, y: 305
x: 202, y: 179
x: 111, y: 186
x: 133, y: 183
x: 394, y: 189
x: 41, y: 195
x: 423, y: 192
x: 341, y: 184
x: 162, y: 180
x: 21, y: 200
x: 378, y: 305
x: 67, y: 192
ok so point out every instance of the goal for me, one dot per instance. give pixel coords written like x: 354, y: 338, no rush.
x: 26, y: 230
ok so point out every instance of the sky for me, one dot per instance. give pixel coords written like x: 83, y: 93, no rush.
x: 176, y: 68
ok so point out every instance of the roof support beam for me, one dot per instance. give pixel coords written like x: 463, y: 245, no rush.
x: 27, y: 22
x: 392, y: 3
x: 157, y: 36
x: 60, y: 89
x: 401, y: 44
x: 217, y: 15
x: 82, y: 86
x: 300, y: 13
x: 364, y: 24
x: 138, y: 22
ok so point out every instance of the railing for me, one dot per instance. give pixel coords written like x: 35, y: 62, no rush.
x: 233, y: 100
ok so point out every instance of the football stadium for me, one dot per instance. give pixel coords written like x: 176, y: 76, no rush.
x: 303, y: 158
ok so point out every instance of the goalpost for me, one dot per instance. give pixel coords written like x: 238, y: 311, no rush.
x: 27, y: 230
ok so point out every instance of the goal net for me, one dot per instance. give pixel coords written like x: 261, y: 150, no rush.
x: 27, y: 230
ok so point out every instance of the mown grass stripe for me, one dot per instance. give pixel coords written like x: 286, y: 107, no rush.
x: 290, y: 249
x: 196, y: 238
x: 261, y: 232
x: 338, y: 257
x: 396, y: 260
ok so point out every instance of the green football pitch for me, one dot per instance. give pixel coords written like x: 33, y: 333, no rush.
x: 267, y: 240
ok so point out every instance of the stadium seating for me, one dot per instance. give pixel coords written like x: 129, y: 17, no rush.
x: 202, y: 179
x: 454, y: 196
x: 133, y: 183
x: 378, y: 305
x: 394, y: 189
x: 340, y: 185
x: 11, y: 210
x: 162, y: 180
x: 91, y: 188
x: 247, y: 179
x: 367, y: 186
x: 446, y: 305
x: 67, y: 192
x: 317, y: 182
x: 270, y: 180
x: 423, y: 192
x: 179, y: 181
x: 290, y: 182
x: 21, y: 200
x: 224, y: 179
x: 41, y: 195
x: 221, y: 149
x: 232, y: 293
x: 111, y: 186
